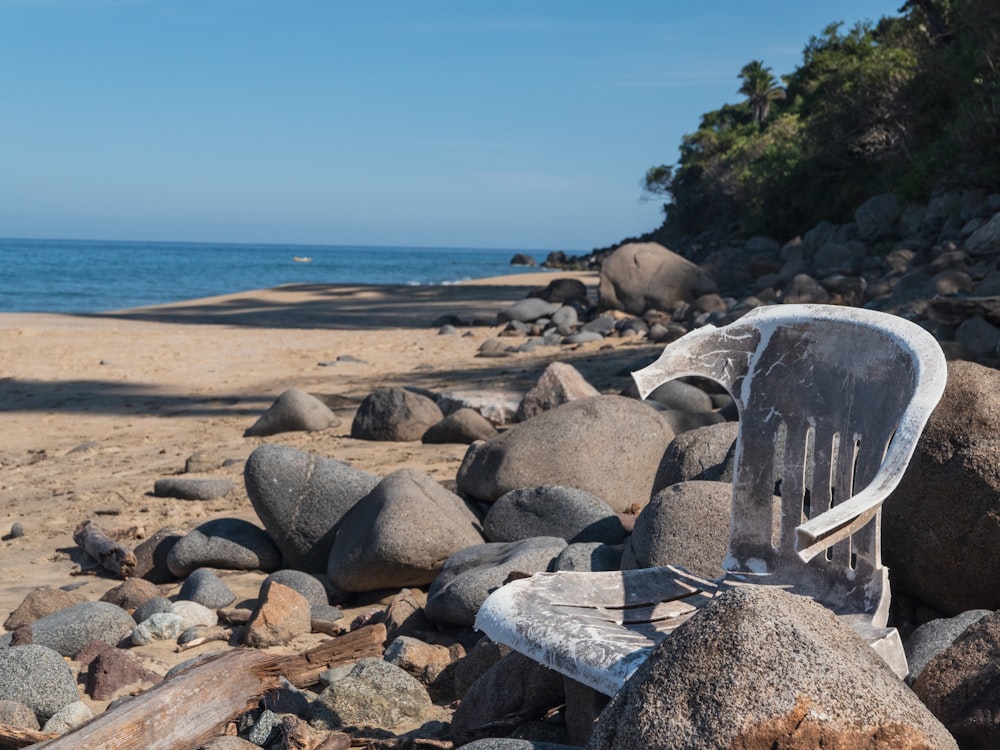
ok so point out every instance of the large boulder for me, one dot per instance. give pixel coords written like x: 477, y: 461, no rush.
x: 941, y: 526
x: 400, y: 534
x: 293, y: 411
x: 394, y: 414
x: 759, y: 668
x: 641, y: 276
x: 300, y: 498
x: 571, y: 514
x: 961, y: 685
x: 610, y: 446
x: 686, y: 524
x: 705, y: 453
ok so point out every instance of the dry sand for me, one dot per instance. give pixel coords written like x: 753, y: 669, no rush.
x: 96, y: 408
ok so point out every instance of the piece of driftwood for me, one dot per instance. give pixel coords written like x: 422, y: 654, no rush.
x: 14, y: 737
x: 111, y: 554
x: 185, y: 710
x: 304, y: 669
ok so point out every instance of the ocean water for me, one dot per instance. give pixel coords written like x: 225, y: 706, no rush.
x: 84, y: 276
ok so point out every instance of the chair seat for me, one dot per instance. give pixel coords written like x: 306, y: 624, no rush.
x: 597, y: 628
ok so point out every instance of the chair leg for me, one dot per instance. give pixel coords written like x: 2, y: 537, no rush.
x: 583, y: 706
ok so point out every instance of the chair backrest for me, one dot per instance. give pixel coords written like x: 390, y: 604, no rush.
x: 823, y: 393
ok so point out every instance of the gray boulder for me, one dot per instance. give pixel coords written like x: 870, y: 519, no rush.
x: 759, y: 667
x: 562, y: 290
x: 527, y: 310
x: 706, y: 453
x: 227, y: 543
x: 940, y: 537
x: 589, y: 557
x: 471, y: 574
x: 498, y: 406
x: 464, y: 426
x: 307, y: 584
x: 394, y: 414
x: 514, y: 686
x: 205, y: 587
x: 676, y: 394
x: 986, y: 239
x: 685, y: 524
x: 293, y: 411
x: 70, y: 629
x: 647, y: 276
x: 300, y: 498
x: 190, y: 488
x: 372, y: 693
x: 877, y: 216
x: 610, y: 446
x: 685, y: 421
x: 559, y: 383
x: 933, y: 637
x: 565, y: 512
x: 400, y: 534
x: 37, y: 677
x: 961, y: 685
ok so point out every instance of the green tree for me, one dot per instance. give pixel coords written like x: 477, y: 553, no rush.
x: 760, y: 88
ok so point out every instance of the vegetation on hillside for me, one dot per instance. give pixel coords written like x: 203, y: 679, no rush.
x: 910, y: 104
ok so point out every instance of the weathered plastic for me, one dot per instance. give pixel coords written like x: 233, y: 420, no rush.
x: 831, y: 401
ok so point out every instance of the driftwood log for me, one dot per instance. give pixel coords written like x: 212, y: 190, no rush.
x: 112, y: 555
x: 190, y: 707
x: 14, y: 737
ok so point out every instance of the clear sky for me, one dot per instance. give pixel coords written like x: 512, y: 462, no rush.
x: 523, y: 124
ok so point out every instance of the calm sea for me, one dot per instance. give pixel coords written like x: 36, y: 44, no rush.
x: 76, y: 276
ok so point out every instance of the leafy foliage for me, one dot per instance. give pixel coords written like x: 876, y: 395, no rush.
x: 910, y: 104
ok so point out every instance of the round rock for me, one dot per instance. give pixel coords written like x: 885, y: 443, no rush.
x: 400, y: 533
x: 394, y: 414
x: 300, y: 498
x: 206, y: 588
x: 293, y: 411
x: 565, y: 512
x: 227, y: 543
x: 190, y: 488
x: 38, y: 677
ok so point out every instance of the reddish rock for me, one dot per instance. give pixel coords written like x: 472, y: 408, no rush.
x: 283, y: 614
x: 40, y: 603
x: 114, y: 671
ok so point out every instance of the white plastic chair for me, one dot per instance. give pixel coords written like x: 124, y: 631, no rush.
x: 831, y: 402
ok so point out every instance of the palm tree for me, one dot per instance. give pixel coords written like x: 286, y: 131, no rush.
x: 760, y: 88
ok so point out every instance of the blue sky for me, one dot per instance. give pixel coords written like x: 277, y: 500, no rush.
x: 512, y: 124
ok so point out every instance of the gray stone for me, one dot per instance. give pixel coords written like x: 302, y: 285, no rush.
x: 933, y: 637
x: 150, y: 607
x: 685, y: 524
x: 400, y: 534
x: 589, y: 557
x: 373, y: 693
x: 565, y: 512
x: 610, y: 446
x: 469, y: 575
x: 804, y: 289
x: 193, y: 614
x: 227, y: 543
x: 527, y: 310
x: 757, y: 667
x: 307, y: 584
x: 940, y: 535
x: 293, y: 411
x: 641, y: 276
x: 159, y: 626
x: 565, y: 319
x: 38, y: 677
x: 676, y: 394
x: 705, y: 453
x: 515, y: 685
x: 70, y: 629
x: 978, y: 336
x: 960, y: 685
x: 394, y: 414
x: 602, y: 324
x: 151, y: 555
x: 509, y: 743
x: 205, y: 587
x: 685, y: 421
x: 583, y: 337
x: 464, y: 426
x: 562, y: 290
x: 559, y: 383
x: 300, y: 498
x: 68, y: 718
x: 877, y: 216
x: 16, y: 714
x: 986, y: 239
x: 190, y: 488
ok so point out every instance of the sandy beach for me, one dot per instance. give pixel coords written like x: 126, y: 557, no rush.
x: 96, y: 408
